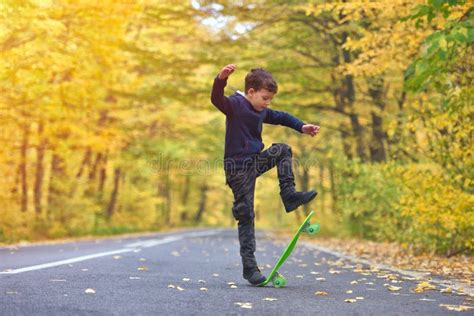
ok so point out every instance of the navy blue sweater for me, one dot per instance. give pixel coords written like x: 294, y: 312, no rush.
x: 243, y: 136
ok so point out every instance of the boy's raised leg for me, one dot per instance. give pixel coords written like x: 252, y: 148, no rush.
x: 281, y: 156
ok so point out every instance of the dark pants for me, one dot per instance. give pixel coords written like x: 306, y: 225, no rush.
x: 242, y: 184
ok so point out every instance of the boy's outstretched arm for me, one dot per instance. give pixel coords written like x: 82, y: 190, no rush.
x: 285, y: 119
x: 217, y: 96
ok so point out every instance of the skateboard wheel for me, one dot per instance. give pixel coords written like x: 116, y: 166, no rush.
x: 279, y: 281
x: 313, y: 229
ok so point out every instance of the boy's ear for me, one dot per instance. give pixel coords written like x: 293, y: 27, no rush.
x: 251, y: 91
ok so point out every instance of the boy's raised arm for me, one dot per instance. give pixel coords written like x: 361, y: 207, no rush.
x: 217, y: 95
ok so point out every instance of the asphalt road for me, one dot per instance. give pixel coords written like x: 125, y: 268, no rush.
x: 199, y: 273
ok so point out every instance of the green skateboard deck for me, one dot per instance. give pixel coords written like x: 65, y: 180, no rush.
x: 276, y: 278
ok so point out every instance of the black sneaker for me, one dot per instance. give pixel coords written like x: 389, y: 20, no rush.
x: 254, y: 276
x: 295, y: 199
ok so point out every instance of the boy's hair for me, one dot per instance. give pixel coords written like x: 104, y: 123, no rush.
x: 259, y: 78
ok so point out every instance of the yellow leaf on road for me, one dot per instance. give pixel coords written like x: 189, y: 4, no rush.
x: 424, y: 286
x: 448, y: 290
x: 394, y: 288
x: 457, y: 308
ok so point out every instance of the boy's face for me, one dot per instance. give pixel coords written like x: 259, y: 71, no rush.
x: 260, y: 99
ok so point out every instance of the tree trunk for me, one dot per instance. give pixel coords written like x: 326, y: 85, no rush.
x: 38, y: 192
x: 93, y: 171
x: 185, y: 196
x: 333, y: 188
x: 346, y: 142
x: 164, y: 191
x: 202, y: 202
x: 103, y: 174
x: 376, y: 146
x: 85, y: 162
x: 113, y: 197
x: 186, y: 190
x: 357, y: 130
x: 56, y: 176
x: 23, y: 168
x: 322, y: 191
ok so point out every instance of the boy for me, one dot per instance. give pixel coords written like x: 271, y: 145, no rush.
x: 244, y: 159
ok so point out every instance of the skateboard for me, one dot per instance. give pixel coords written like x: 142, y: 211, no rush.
x: 276, y: 278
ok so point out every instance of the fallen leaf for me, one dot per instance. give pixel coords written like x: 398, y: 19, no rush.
x: 350, y: 300
x: 89, y: 291
x: 393, y: 288
x: 321, y: 293
x: 171, y: 286
x: 134, y: 278
x: 117, y: 257
x: 175, y: 253
x: 186, y: 279
x: 300, y: 276
x: 203, y: 289
x: 457, y: 308
x: 447, y: 290
x: 270, y: 299
x: 424, y: 286
x: 142, y: 268
x: 233, y: 286
x: 201, y: 281
x: 349, y: 292
x: 354, y: 282
x: 334, y: 271
x: 244, y: 305
x: 84, y: 270
x: 179, y: 288
x: 230, y: 283
x: 359, y: 298
x: 320, y: 279
x: 142, y: 259
x: 215, y: 275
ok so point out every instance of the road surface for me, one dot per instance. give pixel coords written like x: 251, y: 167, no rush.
x: 198, y: 272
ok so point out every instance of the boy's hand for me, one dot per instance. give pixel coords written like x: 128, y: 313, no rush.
x: 226, y: 71
x: 310, y: 129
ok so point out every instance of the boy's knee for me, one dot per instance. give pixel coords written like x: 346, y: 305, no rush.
x: 280, y: 150
x: 243, y: 212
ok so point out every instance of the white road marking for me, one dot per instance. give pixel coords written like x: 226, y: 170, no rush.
x: 128, y: 248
